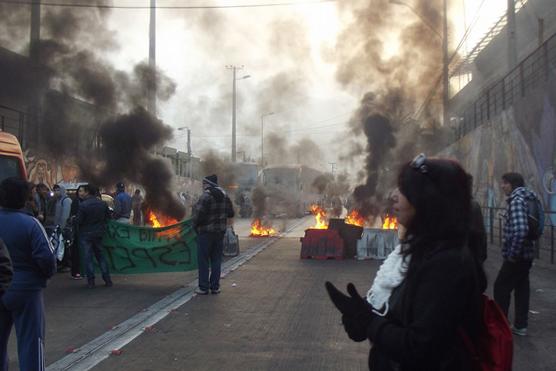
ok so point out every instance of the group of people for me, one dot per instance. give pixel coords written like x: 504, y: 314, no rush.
x: 28, y: 258
x: 425, y: 300
x: 425, y: 305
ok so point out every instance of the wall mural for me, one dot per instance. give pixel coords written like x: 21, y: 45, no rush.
x: 43, y: 169
x: 520, y: 140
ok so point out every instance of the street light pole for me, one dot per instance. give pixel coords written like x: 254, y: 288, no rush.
x: 262, y: 136
x: 234, y: 79
x: 189, y: 167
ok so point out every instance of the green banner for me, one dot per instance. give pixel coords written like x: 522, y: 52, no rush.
x: 132, y: 249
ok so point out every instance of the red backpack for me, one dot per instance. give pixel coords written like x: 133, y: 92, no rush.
x: 493, y: 350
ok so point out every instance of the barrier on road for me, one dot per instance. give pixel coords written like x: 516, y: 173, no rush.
x: 376, y: 243
x: 322, y: 244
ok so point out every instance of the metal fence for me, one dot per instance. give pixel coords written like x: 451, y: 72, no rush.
x: 501, y: 95
x: 494, y: 223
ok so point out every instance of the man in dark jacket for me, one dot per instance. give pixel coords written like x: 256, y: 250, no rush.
x: 122, y: 204
x: 517, y: 251
x: 91, y: 219
x: 210, y: 217
x: 33, y: 264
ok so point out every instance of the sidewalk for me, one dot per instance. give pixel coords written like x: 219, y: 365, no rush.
x: 537, y: 351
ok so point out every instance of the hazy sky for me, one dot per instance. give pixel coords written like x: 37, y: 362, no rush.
x: 193, y: 47
x: 289, y: 53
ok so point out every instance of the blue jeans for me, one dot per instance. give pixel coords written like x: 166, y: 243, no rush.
x: 92, y: 246
x: 209, y: 251
x: 25, y: 309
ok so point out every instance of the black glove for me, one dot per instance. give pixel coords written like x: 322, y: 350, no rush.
x: 356, y: 312
x: 354, y: 329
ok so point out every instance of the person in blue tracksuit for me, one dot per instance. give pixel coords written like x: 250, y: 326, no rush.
x: 33, y: 263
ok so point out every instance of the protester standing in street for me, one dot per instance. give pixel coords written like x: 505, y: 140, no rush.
x: 41, y: 199
x: 136, y: 206
x: 34, y: 263
x: 91, y: 220
x: 517, y: 251
x: 122, y: 204
x: 429, y: 288
x: 74, y: 247
x: 210, y: 217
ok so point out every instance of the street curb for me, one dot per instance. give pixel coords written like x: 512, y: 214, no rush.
x: 97, y: 350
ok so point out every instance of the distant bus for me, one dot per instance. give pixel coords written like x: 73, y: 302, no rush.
x: 289, y: 188
x: 11, y: 157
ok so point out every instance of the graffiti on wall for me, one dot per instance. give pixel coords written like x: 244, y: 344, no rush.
x: 522, y: 140
x: 43, y: 169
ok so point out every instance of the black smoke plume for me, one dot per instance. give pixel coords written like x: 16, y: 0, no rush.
x: 258, y: 197
x: 128, y: 141
x: 395, y: 86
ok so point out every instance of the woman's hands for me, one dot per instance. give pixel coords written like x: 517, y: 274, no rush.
x: 356, y: 312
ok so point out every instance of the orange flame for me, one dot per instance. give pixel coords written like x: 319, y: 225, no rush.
x: 159, y: 221
x: 390, y: 222
x: 355, y: 218
x: 320, y: 216
x: 259, y: 230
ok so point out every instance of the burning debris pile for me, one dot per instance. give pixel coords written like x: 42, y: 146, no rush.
x: 321, y: 221
x: 258, y: 226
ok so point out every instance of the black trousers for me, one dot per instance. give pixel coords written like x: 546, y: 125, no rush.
x: 514, y: 276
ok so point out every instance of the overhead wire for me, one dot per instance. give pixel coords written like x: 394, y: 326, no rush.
x: 192, y: 7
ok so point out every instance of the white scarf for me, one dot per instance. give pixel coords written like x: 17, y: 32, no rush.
x: 390, y: 275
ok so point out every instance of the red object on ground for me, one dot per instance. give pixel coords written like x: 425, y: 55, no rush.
x: 322, y: 244
x: 116, y: 352
x: 71, y: 350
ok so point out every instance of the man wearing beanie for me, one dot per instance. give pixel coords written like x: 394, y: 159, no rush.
x: 210, y: 217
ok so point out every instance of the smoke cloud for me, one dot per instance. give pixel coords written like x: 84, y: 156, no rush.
x: 383, y: 55
x: 128, y: 141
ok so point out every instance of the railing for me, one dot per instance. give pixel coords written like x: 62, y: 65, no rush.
x: 494, y: 223
x: 504, y: 93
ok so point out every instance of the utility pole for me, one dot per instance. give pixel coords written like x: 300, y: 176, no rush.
x: 445, y: 63
x: 35, y: 98
x: 234, y: 79
x: 512, y: 46
x: 35, y: 30
x: 333, y: 168
x: 152, y: 59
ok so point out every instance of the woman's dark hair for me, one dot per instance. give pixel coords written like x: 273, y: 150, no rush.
x: 515, y: 180
x: 440, y: 192
x: 14, y: 192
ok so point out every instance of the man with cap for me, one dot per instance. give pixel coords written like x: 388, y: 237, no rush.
x: 122, y: 204
x: 210, y: 217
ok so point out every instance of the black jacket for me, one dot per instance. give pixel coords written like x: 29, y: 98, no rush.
x: 420, y: 332
x: 6, y: 271
x: 92, y: 216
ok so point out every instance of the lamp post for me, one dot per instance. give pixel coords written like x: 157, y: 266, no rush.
x: 262, y: 136
x: 188, y: 168
x: 234, y: 79
x: 445, y: 57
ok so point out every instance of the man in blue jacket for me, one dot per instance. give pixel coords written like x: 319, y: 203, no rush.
x: 122, y: 204
x: 91, y: 219
x: 33, y: 264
